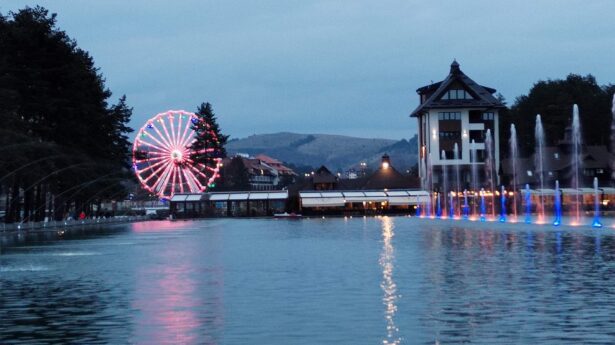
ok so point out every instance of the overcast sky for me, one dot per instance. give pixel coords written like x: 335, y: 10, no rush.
x: 341, y: 67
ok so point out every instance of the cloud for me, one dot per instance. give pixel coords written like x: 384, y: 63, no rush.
x: 346, y: 67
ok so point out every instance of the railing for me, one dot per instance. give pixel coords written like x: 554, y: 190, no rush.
x: 70, y: 223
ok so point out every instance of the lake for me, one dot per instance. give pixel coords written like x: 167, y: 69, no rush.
x: 375, y: 280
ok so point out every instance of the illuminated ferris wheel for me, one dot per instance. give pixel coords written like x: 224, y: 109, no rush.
x: 161, y: 156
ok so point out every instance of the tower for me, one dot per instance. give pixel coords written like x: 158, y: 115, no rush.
x: 456, y: 110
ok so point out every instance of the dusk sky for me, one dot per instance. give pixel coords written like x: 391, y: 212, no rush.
x: 339, y: 67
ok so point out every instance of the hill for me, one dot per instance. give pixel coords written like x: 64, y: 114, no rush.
x: 337, y: 152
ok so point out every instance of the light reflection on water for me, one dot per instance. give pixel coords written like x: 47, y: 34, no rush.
x: 387, y: 259
x: 315, y: 281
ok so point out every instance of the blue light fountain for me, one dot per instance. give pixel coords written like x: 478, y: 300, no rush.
x: 528, y: 205
x: 502, y: 205
x: 558, y: 205
x: 482, y: 205
x: 466, y: 208
x: 596, y: 223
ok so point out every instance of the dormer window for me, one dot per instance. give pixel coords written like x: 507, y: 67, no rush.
x: 456, y: 94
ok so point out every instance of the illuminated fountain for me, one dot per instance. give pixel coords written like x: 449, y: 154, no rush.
x: 558, y: 205
x: 576, y: 161
x: 489, y: 168
x: 514, y: 153
x: 448, y: 202
x: 474, y: 163
x: 456, y: 156
x: 482, y: 205
x: 539, y: 134
x: 528, y: 204
x: 502, y: 205
x: 596, y: 223
x: 451, y: 204
x: 466, y: 208
x: 444, y: 180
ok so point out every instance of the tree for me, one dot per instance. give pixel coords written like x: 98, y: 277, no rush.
x: 54, y: 105
x: 209, y: 142
x: 553, y: 100
x: 235, y: 175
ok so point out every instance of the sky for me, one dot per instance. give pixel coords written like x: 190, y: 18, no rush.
x: 336, y: 67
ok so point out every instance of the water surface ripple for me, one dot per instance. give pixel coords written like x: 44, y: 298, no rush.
x: 386, y: 280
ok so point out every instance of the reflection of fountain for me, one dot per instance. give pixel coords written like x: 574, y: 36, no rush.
x: 558, y: 205
x: 596, y: 223
x: 389, y: 299
x: 576, y: 163
x: 514, y: 153
x: 539, y: 157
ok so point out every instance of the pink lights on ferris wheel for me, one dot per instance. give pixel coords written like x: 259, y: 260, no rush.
x: 161, y: 156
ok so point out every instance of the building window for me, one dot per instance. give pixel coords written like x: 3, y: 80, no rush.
x: 449, y: 116
x: 450, y: 135
x: 456, y: 94
x: 488, y: 116
x: 477, y: 136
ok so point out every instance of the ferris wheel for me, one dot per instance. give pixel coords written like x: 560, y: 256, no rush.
x: 161, y: 156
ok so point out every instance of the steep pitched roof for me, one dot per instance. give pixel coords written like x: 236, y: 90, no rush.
x: 389, y: 178
x: 483, y: 96
x: 323, y: 175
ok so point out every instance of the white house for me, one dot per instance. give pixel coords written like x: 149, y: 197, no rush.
x: 456, y: 110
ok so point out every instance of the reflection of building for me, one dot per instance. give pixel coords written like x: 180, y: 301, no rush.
x: 456, y: 110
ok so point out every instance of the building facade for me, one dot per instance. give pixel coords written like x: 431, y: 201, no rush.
x: 457, y: 113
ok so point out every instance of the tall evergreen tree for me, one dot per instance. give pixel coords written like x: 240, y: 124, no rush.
x: 209, y: 141
x: 54, y: 105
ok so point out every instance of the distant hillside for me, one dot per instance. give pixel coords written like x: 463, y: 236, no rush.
x: 337, y: 152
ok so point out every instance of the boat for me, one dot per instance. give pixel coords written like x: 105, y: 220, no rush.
x: 291, y: 215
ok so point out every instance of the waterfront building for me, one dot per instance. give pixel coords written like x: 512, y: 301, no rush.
x: 456, y: 111
x: 384, y: 191
x: 263, y: 173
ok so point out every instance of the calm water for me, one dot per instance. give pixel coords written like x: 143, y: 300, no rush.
x: 313, y: 281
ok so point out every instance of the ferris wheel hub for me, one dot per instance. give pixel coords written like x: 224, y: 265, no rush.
x: 177, y: 156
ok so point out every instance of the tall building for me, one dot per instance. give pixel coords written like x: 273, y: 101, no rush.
x: 456, y: 111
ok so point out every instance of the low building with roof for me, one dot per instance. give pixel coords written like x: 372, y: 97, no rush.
x: 384, y: 191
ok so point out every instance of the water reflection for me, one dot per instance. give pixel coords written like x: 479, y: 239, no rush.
x: 387, y: 260
x: 178, y: 290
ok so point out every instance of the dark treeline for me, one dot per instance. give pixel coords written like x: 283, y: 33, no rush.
x: 64, y: 146
x: 553, y: 100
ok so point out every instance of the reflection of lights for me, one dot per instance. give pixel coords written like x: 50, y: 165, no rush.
x: 388, y: 285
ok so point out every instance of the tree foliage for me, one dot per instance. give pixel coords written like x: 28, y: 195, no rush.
x: 209, y: 142
x: 64, y: 146
x: 553, y: 100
